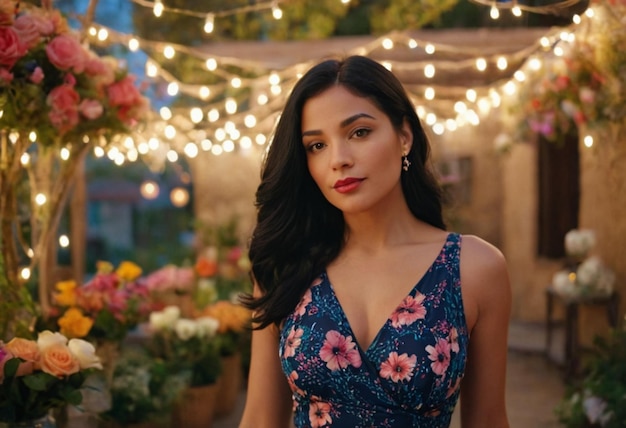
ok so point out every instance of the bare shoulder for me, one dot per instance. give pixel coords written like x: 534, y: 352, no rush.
x: 484, y: 278
x: 480, y: 257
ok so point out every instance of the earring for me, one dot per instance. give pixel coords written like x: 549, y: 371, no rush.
x: 406, y: 163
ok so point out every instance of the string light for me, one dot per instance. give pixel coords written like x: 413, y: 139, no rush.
x: 209, y: 23
x: 158, y: 8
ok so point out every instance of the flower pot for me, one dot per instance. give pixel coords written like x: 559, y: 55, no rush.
x: 196, y: 407
x: 229, y: 385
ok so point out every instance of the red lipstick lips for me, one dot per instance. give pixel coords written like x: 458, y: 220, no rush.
x: 347, y: 184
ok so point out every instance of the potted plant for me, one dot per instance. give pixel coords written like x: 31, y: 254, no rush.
x: 188, y: 345
x: 599, y: 398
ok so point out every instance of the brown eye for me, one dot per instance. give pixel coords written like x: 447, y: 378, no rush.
x: 361, y: 132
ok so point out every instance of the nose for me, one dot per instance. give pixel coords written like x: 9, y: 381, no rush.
x: 341, y: 156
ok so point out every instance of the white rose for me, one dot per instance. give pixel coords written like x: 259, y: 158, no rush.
x: 207, y: 326
x: 85, y: 353
x: 185, y: 329
x: 562, y: 283
x: 588, y: 271
x: 47, y: 338
x: 594, y: 408
x: 165, y: 319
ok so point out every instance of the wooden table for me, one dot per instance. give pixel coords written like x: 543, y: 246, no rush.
x: 572, y: 304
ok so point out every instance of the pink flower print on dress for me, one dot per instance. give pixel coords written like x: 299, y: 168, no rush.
x: 398, y: 368
x: 293, y: 341
x: 291, y: 380
x: 410, y: 310
x: 339, y: 351
x: 319, y: 413
x: 440, y: 356
x: 454, y: 340
x: 304, y: 301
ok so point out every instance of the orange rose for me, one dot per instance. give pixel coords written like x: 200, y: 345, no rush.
x: 205, y: 267
x: 25, y: 349
x: 58, y: 360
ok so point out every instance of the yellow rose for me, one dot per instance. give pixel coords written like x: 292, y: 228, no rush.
x: 67, y: 293
x: 74, y: 324
x: 128, y: 271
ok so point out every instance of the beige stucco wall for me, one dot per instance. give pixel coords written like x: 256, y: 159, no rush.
x: 602, y: 208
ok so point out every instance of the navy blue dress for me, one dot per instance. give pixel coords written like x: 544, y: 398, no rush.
x: 408, y: 377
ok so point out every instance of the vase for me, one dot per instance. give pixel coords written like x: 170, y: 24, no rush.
x: 229, y: 385
x: 195, y: 408
x: 42, y: 422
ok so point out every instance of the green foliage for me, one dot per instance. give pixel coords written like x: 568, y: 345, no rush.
x: 31, y: 396
x: 599, y: 399
x: 143, y: 389
x: 400, y: 15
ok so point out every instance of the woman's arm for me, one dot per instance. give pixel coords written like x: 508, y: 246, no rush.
x: 268, y: 400
x: 487, y: 294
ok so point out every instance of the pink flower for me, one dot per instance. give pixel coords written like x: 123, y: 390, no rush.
x: 31, y: 26
x: 124, y: 92
x: 339, y: 351
x: 36, y: 76
x: 171, y: 277
x: 11, y: 47
x: 304, y: 301
x: 439, y: 355
x: 66, y: 53
x: 587, y: 95
x: 63, y: 101
x: 91, y: 109
x: 319, y: 413
x: 291, y: 380
x: 398, y: 367
x: 293, y: 341
x: 410, y: 310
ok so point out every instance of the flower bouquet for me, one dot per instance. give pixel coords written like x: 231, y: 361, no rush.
x: 106, y: 307
x: 38, y: 376
x: 52, y: 83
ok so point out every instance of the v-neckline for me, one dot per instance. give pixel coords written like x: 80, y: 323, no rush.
x: 388, y: 319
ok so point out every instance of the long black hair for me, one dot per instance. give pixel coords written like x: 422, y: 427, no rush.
x: 298, y: 232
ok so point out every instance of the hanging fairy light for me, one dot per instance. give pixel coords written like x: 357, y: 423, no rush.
x: 209, y: 23
x: 158, y: 8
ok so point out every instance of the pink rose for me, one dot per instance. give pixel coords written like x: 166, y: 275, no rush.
x: 66, y: 53
x: 37, y: 76
x: 11, y: 48
x: 30, y: 27
x: 123, y: 92
x: 63, y: 101
x: 91, y: 109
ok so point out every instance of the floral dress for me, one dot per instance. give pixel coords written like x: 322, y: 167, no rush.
x: 408, y: 377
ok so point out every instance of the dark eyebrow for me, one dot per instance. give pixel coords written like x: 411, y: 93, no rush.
x: 343, y: 123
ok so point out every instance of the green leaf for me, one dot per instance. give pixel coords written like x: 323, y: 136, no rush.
x: 39, y: 381
x: 11, y: 366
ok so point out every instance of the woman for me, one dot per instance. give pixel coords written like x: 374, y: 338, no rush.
x: 364, y: 304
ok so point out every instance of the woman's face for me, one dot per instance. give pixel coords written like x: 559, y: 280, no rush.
x: 354, y: 153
